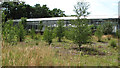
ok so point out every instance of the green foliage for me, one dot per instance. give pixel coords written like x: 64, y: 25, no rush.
x: 118, y: 33
x: 99, y: 33
x: 69, y: 33
x: 113, y: 43
x: 47, y: 36
x: 23, y: 21
x: 32, y: 33
x: 16, y: 10
x: 57, y: 13
x: 3, y: 18
x: 21, y: 32
x: 9, y: 33
x: 108, y: 27
x: 37, y: 37
x: 37, y: 43
x: 81, y: 9
x: 81, y: 33
x: 59, y: 31
x: 40, y: 27
x: 13, y: 33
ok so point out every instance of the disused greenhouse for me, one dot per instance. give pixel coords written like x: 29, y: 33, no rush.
x: 96, y: 20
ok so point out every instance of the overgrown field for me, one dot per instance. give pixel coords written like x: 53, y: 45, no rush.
x: 65, y: 53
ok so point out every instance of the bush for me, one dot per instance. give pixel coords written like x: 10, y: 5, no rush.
x: 108, y: 28
x: 99, y: 33
x: 113, y: 43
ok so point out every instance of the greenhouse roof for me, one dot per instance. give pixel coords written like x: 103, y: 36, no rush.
x: 70, y: 18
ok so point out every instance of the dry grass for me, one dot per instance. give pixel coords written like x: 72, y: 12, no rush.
x: 65, y: 53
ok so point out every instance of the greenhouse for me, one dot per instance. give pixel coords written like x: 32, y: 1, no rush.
x: 96, y: 20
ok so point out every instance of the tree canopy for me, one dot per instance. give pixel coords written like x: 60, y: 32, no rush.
x: 16, y: 10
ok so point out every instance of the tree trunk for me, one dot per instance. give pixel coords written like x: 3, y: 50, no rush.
x: 59, y: 39
x: 80, y: 47
x: 40, y: 32
x: 99, y: 40
x: 20, y: 39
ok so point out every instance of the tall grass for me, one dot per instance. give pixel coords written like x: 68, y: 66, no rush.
x: 30, y: 54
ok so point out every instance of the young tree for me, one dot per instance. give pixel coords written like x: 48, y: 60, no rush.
x: 99, y: 33
x: 81, y: 30
x: 32, y: 33
x: 59, y: 31
x: 21, y: 32
x: 48, y: 35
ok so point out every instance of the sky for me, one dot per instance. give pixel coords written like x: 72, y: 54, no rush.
x: 97, y: 7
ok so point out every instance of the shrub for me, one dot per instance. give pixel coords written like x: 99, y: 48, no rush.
x: 108, y: 28
x: 47, y: 36
x: 113, y: 43
x: 99, y: 33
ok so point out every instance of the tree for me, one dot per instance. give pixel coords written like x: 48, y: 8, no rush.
x: 60, y: 30
x: 99, y: 33
x: 48, y: 35
x: 16, y: 10
x: 108, y: 27
x: 81, y: 30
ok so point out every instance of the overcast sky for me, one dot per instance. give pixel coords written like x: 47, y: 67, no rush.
x: 97, y: 7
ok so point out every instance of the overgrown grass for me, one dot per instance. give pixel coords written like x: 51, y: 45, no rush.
x: 64, y: 53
